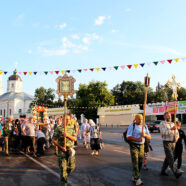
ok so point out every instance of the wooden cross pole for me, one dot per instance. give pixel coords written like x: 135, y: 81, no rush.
x: 65, y: 87
x: 146, y: 83
x: 174, y: 85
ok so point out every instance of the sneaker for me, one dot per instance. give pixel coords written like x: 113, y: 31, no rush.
x: 180, y: 171
x: 177, y: 175
x: 139, y: 182
x: 145, y: 167
x: 97, y: 153
x: 92, y: 153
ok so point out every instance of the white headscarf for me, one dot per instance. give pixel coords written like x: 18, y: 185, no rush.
x: 91, y: 122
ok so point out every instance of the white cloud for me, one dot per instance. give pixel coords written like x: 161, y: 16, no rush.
x: 29, y: 51
x: 61, y: 26
x: 114, y: 31
x: 75, y: 36
x: 128, y: 10
x: 90, y: 37
x: 35, y: 24
x: 50, y: 52
x: 67, y: 46
x: 20, y: 16
x: 100, y: 20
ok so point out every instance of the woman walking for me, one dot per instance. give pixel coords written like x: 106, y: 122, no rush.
x: 95, y: 136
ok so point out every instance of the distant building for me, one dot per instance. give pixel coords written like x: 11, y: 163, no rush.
x: 14, y: 102
x: 118, y: 115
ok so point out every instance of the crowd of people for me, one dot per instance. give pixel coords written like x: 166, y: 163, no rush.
x: 24, y: 135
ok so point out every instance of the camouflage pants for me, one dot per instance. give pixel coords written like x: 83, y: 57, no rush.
x: 169, y: 148
x: 137, y: 155
x: 66, y: 166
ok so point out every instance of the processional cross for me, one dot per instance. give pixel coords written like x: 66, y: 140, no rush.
x: 174, y: 85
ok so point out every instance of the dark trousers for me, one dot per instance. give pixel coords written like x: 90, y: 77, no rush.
x: 169, y: 148
x: 40, y: 144
x: 178, y: 155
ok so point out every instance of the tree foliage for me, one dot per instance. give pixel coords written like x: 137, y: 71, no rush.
x: 44, y: 97
x: 95, y: 94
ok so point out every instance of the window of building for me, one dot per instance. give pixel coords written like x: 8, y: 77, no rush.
x: 1, y: 112
x: 4, y: 115
x: 10, y: 111
x: 12, y: 85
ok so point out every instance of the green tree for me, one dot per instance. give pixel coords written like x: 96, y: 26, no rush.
x: 44, y: 97
x: 129, y: 92
x: 91, y: 96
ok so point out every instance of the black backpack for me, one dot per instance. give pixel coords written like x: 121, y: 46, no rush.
x: 125, y: 134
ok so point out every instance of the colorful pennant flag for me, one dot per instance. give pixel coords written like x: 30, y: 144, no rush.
x: 156, y: 62
x: 129, y: 66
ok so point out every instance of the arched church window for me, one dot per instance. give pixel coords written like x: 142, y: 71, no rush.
x: 10, y: 111
x: 1, y: 112
x: 12, y: 85
x: 4, y: 115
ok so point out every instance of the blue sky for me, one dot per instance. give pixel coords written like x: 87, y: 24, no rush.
x: 52, y: 35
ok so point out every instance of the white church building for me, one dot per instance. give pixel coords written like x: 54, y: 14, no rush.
x: 14, y: 102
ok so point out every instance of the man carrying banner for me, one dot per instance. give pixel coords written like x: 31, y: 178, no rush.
x: 66, y: 159
x: 170, y: 136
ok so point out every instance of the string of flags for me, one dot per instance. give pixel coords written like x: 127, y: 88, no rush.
x: 122, y: 67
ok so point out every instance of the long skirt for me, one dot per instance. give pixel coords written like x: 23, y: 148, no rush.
x: 95, y: 143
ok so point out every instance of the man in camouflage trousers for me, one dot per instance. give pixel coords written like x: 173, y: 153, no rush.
x: 66, y: 159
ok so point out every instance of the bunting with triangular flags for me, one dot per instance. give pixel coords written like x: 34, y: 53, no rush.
x: 116, y: 67
x: 129, y: 66
x: 142, y: 65
x: 156, y: 62
x: 170, y: 61
x: 104, y: 68
x: 97, y: 69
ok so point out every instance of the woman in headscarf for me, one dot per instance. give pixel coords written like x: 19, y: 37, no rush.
x: 95, y: 136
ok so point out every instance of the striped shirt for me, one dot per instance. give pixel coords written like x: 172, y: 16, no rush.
x: 166, y: 132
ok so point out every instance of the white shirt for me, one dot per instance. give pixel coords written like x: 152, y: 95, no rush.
x: 39, y: 134
x: 30, y: 129
x: 166, y: 132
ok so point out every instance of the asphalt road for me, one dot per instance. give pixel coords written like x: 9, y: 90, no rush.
x: 111, y: 167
